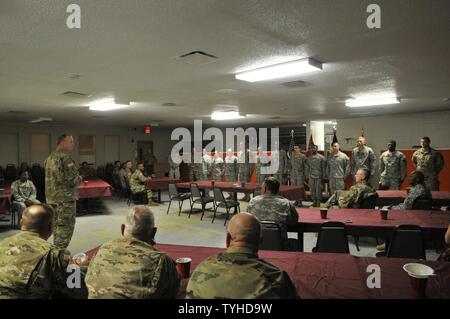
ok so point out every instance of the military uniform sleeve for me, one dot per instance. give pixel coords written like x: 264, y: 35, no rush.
x: 67, y: 174
x: 16, y: 193
x: 372, y: 159
x: 439, y: 162
x: 414, y: 159
x: 168, y: 282
x: 142, y: 178
x: 347, y: 166
x: 292, y: 217
x: 33, y: 191
x: 382, y: 163
x: 402, y: 167
x: 348, y: 199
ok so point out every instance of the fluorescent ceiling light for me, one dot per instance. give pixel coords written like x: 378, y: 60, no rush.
x: 107, y: 104
x: 280, y: 70
x: 41, y: 119
x: 222, y: 116
x: 372, y: 102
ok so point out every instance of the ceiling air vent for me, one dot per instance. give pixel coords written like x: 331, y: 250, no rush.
x: 295, y: 84
x: 75, y: 94
x: 17, y: 112
x: 197, y: 58
x: 169, y: 104
x: 274, y: 118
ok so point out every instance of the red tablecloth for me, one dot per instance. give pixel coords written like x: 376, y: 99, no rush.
x: 367, y: 222
x: 394, y: 197
x: 160, y: 182
x: 320, y: 275
x: 94, y: 188
x: 290, y: 192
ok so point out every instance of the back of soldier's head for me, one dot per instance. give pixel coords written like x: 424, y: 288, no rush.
x: 38, y: 218
x: 140, y: 223
x: 417, y: 178
x: 272, y: 185
x: 244, y: 229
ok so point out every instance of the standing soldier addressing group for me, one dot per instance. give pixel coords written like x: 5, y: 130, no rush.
x: 430, y: 162
x: 315, y: 171
x: 362, y: 157
x: 297, y: 167
x: 338, y: 168
x: 392, y: 168
x: 61, y: 181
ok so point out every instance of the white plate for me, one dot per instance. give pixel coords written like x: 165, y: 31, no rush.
x: 418, y: 270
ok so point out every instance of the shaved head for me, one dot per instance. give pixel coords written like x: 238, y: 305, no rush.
x: 244, y: 229
x: 38, y: 219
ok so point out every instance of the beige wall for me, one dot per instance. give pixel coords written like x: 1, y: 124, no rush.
x: 159, y: 136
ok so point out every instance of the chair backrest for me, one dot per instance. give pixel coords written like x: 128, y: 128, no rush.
x: 173, y: 191
x: 10, y: 171
x: 109, y: 168
x: 407, y: 242
x: 195, y: 191
x: 218, y: 196
x: 422, y: 204
x: 332, y: 238
x: 369, y: 202
x: 271, y: 236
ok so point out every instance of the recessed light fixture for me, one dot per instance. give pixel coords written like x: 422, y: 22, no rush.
x: 41, y: 119
x: 280, y: 70
x: 107, y: 104
x: 228, y: 115
x: 371, y: 101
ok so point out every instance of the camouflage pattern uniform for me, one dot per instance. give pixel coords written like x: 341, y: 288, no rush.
x: 86, y: 172
x: 276, y: 209
x: 338, y: 167
x: 393, y: 169
x: 23, y: 192
x: 418, y: 191
x: 230, y: 168
x: 125, y: 176
x: 174, y: 168
x: 238, y: 273
x: 430, y: 162
x: 351, y: 198
x: 32, y: 268
x: 217, y: 168
x: 262, y: 160
x: 282, y: 158
x: 362, y: 159
x: 316, y: 166
x: 137, y: 184
x: 61, y: 193
x: 297, y: 168
x: 130, y: 268
x: 195, y: 170
x: 245, y: 169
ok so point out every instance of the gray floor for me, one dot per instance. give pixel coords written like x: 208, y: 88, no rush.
x: 94, y: 229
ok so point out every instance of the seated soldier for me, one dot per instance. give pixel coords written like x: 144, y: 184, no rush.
x: 24, y: 193
x: 417, y: 191
x: 137, y: 184
x: 238, y: 273
x: 86, y: 171
x: 269, y: 206
x: 130, y: 267
x: 356, y: 194
x: 30, y: 266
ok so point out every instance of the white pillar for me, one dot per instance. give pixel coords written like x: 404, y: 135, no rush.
x: 317, y: 130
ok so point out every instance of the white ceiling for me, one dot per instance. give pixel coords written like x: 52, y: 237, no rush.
x: 126, y: 49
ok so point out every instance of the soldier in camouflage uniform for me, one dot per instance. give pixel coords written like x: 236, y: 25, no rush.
x: 362, y: 157
x: 245, y: 168
x: 392, y: 168
x: 271, y: 207
x: 24, y: 193
x: 206, y: 166
x: 262, y: 161
x: 137, y: 183
x: 238, y: 273
x: 230, y: 166
x: 316, y: 166
x: 355, y: 195
x: 217, y: 167
x: 61, y: 182
x: 282, y: 158
x: 338, y: 167
x: 85, y: 171
x: 130, y: 267
x: 30, y: 266
x: 195, y: 169
x: 125, y: 174
x: 297, y: 167
x: 417, y: 191
x: 174, y: 168
x: 430, y: 162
